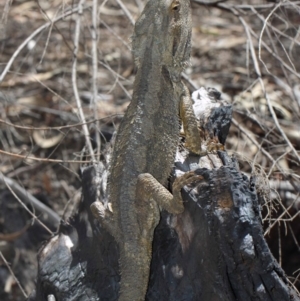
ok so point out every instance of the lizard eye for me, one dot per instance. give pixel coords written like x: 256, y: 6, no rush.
x: 175, y: 5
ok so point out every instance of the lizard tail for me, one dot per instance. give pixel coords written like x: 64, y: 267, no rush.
x: 135, y: 269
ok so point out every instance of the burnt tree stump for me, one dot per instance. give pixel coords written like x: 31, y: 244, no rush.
x: 215, y: 250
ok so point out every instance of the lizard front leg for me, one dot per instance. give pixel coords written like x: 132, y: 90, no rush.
x: 106, y: 219
x: 192, y: 132
x: 193, y: 141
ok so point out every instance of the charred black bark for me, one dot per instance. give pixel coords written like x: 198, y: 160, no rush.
x: 215, y: 250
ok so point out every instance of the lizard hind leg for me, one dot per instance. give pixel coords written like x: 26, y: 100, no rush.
x: 148, y: 187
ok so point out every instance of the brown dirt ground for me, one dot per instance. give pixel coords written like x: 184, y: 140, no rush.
x: 37, y: 92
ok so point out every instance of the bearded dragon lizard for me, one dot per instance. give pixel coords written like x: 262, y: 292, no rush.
x: 147, y: 140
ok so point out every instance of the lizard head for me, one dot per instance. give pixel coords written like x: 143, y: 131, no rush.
x: 164, y: 27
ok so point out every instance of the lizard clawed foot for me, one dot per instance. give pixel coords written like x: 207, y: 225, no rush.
x: 186, y: 179
x: 214, y: 146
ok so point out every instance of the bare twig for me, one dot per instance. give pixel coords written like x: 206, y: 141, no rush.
x: 3, y: 20
x: 293, y: 40
x: 25, y: 157
x: 54, y: 128
x: 117, y: 76
x: 15, y: 235
x: 289, y: 68
x: 275, y: 162
x: 126, y: 11
x: 74, y: 82
x: 29, y: 38
x: 209, y: 3
x: 234, y: 9
x: 260, y: 148
x: 50, y: 30
x: 285, y: 211
x: 258, y: 72
x: 256, y: 6
x: 29, y: 199
x: 13, y: 275
x: 115, y: 34
x: 262, y: 32
x: 279, y: 245
x: 95, y: 38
